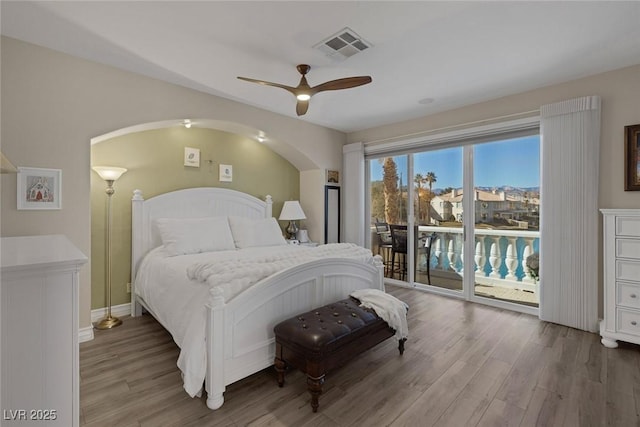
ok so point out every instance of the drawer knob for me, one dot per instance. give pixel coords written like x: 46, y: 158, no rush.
x: 633, y: 296
x: 634, y: 323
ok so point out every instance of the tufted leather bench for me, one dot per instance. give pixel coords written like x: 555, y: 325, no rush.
x: 325, y: 338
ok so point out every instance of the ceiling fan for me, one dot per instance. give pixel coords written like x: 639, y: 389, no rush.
x: 303, y: 92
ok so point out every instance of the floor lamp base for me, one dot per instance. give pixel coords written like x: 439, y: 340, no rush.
x: 108, y: 323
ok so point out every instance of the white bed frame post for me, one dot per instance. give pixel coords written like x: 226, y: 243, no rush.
x: 214, y: 381
x: 136, y: 246
x: 269, y: 208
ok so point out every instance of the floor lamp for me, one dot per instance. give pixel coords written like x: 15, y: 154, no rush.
x: 110, y: 175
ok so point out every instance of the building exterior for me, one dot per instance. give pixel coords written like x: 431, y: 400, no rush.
x: 518, y: 209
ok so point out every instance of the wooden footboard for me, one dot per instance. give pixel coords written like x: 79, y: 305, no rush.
x: 242, y: 339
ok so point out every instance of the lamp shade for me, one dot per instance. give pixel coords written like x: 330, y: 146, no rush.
x: 6, y: 166
x: 292, y: 211
x: 109, y: 173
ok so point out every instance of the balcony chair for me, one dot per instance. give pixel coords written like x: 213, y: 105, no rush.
x: 383, y: 240
x: 382, y: 227
x: 398, y: 246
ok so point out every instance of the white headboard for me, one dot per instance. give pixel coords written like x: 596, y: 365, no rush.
x: 188, y: 203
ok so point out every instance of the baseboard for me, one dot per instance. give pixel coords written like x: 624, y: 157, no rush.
x: 116, y: 310
x: 85, y: 334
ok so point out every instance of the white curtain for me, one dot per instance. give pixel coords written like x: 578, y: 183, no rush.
x: 353, y: 188
x: 570, y: 133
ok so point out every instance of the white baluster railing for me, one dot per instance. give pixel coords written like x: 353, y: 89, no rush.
x: 506, y: 264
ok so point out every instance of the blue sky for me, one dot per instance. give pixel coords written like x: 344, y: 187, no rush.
x: 514, y: 162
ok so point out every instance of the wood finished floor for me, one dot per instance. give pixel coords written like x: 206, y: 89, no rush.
x: 464, y: 365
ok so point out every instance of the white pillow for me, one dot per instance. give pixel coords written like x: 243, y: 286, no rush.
x: 182, y: 236
x: 249, y: 233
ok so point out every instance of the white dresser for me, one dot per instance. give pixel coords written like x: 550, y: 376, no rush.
x: 39, y: 324
x: 621, y: 277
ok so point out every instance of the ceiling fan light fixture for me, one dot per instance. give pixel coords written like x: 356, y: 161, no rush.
x: 303, y: 91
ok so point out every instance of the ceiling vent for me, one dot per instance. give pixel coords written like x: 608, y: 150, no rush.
x: 343, y: 44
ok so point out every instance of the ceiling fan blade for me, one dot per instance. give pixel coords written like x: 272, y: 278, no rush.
x: 302, y: 107
x: 345, y: 83
x: 265, y: 83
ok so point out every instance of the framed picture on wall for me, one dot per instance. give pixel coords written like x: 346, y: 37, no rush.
x: 632, y: 158
x: 39, y: 188
x: 192, y: 157
x: 333, y: 177
x: 226, y: 173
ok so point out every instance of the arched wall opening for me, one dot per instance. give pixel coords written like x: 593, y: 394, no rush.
x: 154, y: 156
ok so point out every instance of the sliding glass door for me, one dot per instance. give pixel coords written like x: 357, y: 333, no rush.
x: 506, y: 229
x: 389, y: 209
x: 439, y: 212
x: 478, y: 199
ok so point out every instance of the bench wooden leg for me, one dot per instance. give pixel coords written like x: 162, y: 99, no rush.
x: 401, y: 346
x: 315, y: 378
x: 280, y: 366
x: 314, y: 385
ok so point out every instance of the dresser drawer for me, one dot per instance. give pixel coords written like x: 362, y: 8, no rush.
x: 628, y: 295
x: 628, y: 270
x: 628, y: 248
x: 628, y: 226
x: 628, y: 321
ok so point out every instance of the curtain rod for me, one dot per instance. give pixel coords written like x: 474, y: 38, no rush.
x: 458, y: 126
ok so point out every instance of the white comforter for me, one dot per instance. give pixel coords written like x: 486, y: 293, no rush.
x: 176, y: 289
x: 235, y: 275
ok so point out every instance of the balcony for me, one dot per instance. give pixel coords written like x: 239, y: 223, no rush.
x: 500, y: 269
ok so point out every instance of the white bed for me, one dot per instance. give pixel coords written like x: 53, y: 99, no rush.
x: 238, y: 330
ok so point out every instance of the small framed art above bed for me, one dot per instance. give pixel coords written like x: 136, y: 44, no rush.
x: 211, y: 265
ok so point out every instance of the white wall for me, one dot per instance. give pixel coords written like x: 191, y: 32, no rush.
x: 53, y: 104
x: 312, y: 202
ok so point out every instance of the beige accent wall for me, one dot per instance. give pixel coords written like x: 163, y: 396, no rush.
x: 53, y: 104
x: 154, y: 161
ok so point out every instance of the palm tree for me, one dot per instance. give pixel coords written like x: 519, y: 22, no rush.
x: 419, y: 179
x: 390, y: 181
x: 430, y: 178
